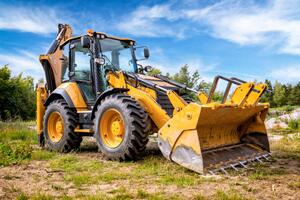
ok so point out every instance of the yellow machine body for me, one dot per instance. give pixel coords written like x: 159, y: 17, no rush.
x: 200, y: 135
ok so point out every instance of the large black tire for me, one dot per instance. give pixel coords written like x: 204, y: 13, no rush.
x: 70, y: 140
x: 137, y: 125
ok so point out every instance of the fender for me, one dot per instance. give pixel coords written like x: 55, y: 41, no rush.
x: 59, y: 93
x: 105, y: 94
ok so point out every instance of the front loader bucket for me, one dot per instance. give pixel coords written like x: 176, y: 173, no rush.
x: 214, y: 137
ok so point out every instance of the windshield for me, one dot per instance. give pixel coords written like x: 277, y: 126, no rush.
x: 117, y: 55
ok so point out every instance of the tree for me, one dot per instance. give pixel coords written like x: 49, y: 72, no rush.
x: 17, y: 96
x: 268, y: 96
x: 294, y: 97
x: 5, y: 90
x: 279, y: 96
x: 288, y: 94
x: 154, y: 71
x: 184, y: 77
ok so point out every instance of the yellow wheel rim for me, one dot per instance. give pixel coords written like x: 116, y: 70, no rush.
x: 55, y: 126
x: 112, y: 129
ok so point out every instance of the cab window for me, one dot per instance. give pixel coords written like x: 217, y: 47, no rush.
x: 65, y: 64
x: 81, y: 61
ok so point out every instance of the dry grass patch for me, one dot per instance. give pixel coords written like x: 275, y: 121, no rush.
x: 228, y: 195
x: 288, y: 147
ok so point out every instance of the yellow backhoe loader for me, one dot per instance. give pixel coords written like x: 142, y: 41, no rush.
x: 95, y: 87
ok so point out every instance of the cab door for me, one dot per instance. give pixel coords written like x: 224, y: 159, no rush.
x: 80, y: 70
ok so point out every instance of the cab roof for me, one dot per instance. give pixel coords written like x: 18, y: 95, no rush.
x: 102, y: 36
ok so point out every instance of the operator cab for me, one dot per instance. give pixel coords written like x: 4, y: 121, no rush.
x: 97, y: 53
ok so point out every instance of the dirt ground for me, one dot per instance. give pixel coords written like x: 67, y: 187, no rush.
x: 38, y: 179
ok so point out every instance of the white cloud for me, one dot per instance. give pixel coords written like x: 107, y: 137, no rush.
x: 25, y: 62
x: 274, y: 23
x: 287, y: 74
x: 38, y: 20
x: 147, y: 21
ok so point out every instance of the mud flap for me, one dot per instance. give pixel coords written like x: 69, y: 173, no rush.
x: 204, y: 138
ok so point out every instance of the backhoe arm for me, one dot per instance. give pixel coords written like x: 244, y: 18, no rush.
x: 52, y: 61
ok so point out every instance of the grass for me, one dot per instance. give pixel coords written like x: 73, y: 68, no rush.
x: 184, y: 180
x: 294, y: 185
x: 82, y: 179
x: 229, y: 195
x: 280, y: 110
x: 17, y: 131
x: 150, y: 178
x: 95, y: 177
x: 72, y: 163
x: 87, y: 172
x: 178, y: 180
x: 263, y: 171
x: 43, y: 155
x: 23, y: 196
x: 168, y: 173
x: 199, y: 197
x: 120, y: 193
x: 14, y: 153
x: 15, y: 142
x: 294, y: 124
x: 288, y: 147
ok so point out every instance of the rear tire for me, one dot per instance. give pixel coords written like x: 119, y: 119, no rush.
x: 135, y: 122
x: 65, y: 139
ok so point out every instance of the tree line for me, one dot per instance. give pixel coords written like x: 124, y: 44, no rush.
x: 279, y: 94
x: 18, y: 93
x: 282, y: 94
x: 17, y: 96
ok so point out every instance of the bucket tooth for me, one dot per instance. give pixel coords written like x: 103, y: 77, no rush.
x: 257, y: 158
x: 211, y: 172
x: 242, y: 163
x: 233, y: 167
x: 266, y: 156
x: 223, y: 170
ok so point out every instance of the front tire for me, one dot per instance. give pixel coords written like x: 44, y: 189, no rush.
x: 121, y: 128
x: 59, y: 125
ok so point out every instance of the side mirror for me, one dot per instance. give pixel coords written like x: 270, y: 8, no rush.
x: 146, y: 53
x: 85, y: 42
x: 139, y: 51
x: 148, y: 68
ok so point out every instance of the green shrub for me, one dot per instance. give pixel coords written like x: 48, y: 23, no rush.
x: 22, y: 151
x: 5, y: 155
x: 294, y: 124
x: 14, y: 153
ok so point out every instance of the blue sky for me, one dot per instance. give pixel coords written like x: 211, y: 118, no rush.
x: 247, y: 39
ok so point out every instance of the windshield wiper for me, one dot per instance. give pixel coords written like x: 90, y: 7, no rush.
x: 113, y: 66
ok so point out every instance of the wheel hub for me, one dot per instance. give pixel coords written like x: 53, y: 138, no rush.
x: 55, y: 126
x: 112, y: 128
